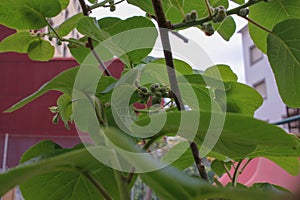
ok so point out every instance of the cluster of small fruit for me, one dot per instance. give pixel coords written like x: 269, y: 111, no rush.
x: 156, y: 91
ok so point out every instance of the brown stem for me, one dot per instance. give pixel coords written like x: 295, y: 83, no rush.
x: 200, y: 166
x: 85, y: 11
x: 164, y: 27
x: 257, y: 24
x: 227, y: 171
x: 208, y: 8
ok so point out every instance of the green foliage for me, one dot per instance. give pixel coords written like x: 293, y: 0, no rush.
x: 28, y: 14
x: 284, y: 57
x: 220, y: 112
x: 226, y: 28
x: 279, y: 10
x: 67, y: 26
x: 40, y: 50
x: 63, y: 170
x: 24, y: 40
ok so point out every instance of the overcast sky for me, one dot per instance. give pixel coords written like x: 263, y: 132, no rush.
x: 218, y: 50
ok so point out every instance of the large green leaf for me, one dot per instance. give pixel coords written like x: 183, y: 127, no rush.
x: 67, y: 26
x: 63, y: 82
x: 175, y: 10
x: 18, y: 42
x: 268, y: 15
x: 28, y: 14
x: 226, y: 28
x: 124, y: 36
x: 284, y: 57
x: 40, y: 50
x: 89, y: 27
x: 64, y: 3
x: 241, y: 136
x: 171, y: 183
x: 241, y: 98
x: 61, y: 171
x: 223, y: 72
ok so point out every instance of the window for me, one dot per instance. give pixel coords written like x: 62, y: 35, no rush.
x: 294, y: 127
x: 255, y: 55
x: 261, y: 88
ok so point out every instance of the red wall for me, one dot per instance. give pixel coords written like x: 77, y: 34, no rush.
x: 19, y: 77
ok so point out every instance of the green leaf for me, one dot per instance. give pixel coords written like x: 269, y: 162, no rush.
x: 240, y: 98
x: 61, y: 171
x: 67, y: 26
x: 175, y: 10
x: 89, y: 27
x: 289, y: 164
x: 64, y: 3
x: 200, y: 100
x: 184, y: 160
x: 28, y: 14
x: 170, y: 183
x: 222, y: 72
x: 18, y: 42
x: 267, y: 187
x: 284, y: 56
x: 126, y: 37
x: 156, y: 72
x: 107, y: 22
x: 268, y: 15
x: 63, y: 82
x: 40, y: 50
x: 241, y: 136
x: 218, y: 167
x: 227, y: 28
x: 64, y: 104
x: 238, y: 1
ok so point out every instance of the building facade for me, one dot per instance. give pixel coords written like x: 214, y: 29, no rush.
x: 258, y: 74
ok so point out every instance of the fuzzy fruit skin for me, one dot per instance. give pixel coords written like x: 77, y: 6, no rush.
x: 208, y: 29
x: 194, y: 15
x: 243, y: 12
x: 58, y: 42
x: 156, y: 100
x: 112, y: 8
x: 220, y: 14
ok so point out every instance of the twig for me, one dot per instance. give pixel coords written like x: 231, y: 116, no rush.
x: 257, y: 24
x: 209, y: 18
x: 245, y: 165
x: 236, y: 174
x: 227, y: 171
x: 85, y: 11
x: 200, y: 166
x: 63, y: 39
x: 208, y: 8
x: 164, y: 27
x: 185, y: 40
x: 114, y: 3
